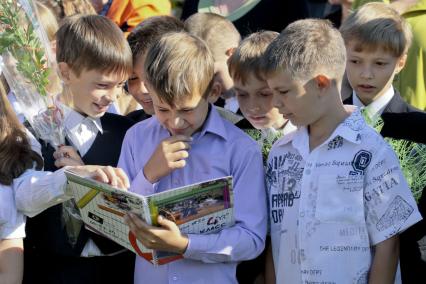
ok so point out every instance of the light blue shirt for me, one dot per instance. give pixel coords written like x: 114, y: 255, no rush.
x: 218, y: 149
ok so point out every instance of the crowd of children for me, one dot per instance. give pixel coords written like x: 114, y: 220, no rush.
x: 319, y: 194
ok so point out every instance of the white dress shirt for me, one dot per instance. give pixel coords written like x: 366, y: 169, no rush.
x: 375, y: 109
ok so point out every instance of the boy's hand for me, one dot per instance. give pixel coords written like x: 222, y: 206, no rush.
x: 165, y: 238
x: 169, y: 155
x: 67, y: 156
x: 116, y: 177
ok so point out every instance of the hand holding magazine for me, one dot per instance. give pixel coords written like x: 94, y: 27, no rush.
x: 201, y: 208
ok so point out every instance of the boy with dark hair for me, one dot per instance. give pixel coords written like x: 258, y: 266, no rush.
x: 94, y: 61
x: 187, y: 142
x: 144, y: 35
x: 338, y: 198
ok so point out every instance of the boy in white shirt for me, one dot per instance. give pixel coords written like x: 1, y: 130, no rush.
x: 338, y: 199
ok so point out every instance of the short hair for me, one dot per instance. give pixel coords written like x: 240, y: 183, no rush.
x: 88, y: 42
x: 377, y: 25
x: 149, y: 31
x: 177, y: 66
x: 47, y: 20
x: 305, y: 47
x: 66, y: 8
x: 218, y: 32
x: 247, y: 58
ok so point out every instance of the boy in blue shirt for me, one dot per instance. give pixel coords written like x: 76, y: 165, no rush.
x: 186, y: 142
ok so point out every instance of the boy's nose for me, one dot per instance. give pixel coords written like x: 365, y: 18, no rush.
x: 367, y: 73
x: 178, y: 122
x: 276, y: 102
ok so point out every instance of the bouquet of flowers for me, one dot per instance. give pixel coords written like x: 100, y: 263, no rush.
x: 27, y: 62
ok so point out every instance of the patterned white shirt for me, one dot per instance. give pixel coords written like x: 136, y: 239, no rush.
x: 330, y: 206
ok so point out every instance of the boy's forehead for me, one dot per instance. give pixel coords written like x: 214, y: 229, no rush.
x: 184, y: 102
x: 102, y: 75
x: 362, y: 47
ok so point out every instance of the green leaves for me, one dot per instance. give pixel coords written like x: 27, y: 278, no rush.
x: 17, y: 36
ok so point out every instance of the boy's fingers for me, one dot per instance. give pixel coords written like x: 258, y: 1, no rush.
x: 112, y: 177
x: 177, y: 138
x: 123, y: 179
x: 179, y: 145
x: 165, y: 223
x: 62, y: 162
x: 177, y: 156
x: 101, y: 176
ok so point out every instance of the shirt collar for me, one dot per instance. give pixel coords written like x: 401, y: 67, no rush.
x: 73, y: 119
x: 350, y: 129
x: 214, y: 124
x: 376, y: 108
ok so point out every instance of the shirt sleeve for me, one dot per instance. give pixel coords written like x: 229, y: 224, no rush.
x: 12, y: 223
x: 126, y: 161
x: 246, y: 239
x: 35, y: 191
x: 390, y: 207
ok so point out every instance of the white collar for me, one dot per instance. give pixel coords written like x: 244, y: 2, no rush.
x: 375, y: 108
x: 72, y: 119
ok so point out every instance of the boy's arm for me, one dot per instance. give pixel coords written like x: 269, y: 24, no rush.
x: 245, y: 240
x: 11, y: 261
x: 385, y: 261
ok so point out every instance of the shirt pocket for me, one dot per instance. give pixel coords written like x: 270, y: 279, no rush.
x: 340, y: 199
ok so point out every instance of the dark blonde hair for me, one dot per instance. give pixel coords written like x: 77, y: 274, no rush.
x: 177, y: 66
x: 16, y: 155
x: 218, y: 32
x: 305, y: 47
x: 247, y: 58
x: 377, y: 25
x: 48, y: 20
x: 66, y: 8
x: 88, y: 42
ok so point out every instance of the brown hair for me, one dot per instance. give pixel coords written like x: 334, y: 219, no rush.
x: 377, y: 25
x: 178, y: 65
x: 149, y: 31
x: 87, y: 42
x: 305, y: 47
x: 247, y: 58
x: 65, y: 8
x: 16, y: 155
x: 218, y: 32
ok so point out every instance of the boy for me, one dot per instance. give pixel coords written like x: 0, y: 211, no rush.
x: 94, y: 61
x: 253, y: 94
x: 222, y: 38
x: 187, y: 142
x: 338, y: 199
x: 262, y: 121
x: 145, y: 34
x: 377, y: 39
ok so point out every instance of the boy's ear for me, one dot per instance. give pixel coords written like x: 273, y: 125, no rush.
x: 322, y: 81
x: 64, y: 71
x: 230, y: 51
x: 215, y: 92
x: 401, y: 63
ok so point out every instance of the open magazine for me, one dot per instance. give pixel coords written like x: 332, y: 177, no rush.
x: 201, y: 208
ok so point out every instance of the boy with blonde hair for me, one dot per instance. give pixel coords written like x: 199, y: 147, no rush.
x: 94, y: 61
x: 181, y: 145
x: 338, y: 199
x: 222, y: 38
x: 377, y: 39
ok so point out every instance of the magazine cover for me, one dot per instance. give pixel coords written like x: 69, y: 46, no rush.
x: 201, y: 208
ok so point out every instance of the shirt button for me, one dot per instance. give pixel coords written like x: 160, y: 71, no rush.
x: 302, y: 214
x: 174, y: 278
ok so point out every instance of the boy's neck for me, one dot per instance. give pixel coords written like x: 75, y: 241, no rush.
x: 320, y: 130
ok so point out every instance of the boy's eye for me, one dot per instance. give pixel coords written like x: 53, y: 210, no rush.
x: 283, y: 92
x: 240, y: 95
x: 380, y: 63
x: 265, y: 94
x: 102, y: 86
x: 354, y: 61
x: 163, y: 110
x: 132, y: 78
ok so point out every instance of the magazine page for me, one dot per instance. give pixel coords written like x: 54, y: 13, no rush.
x: 202, y: 208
